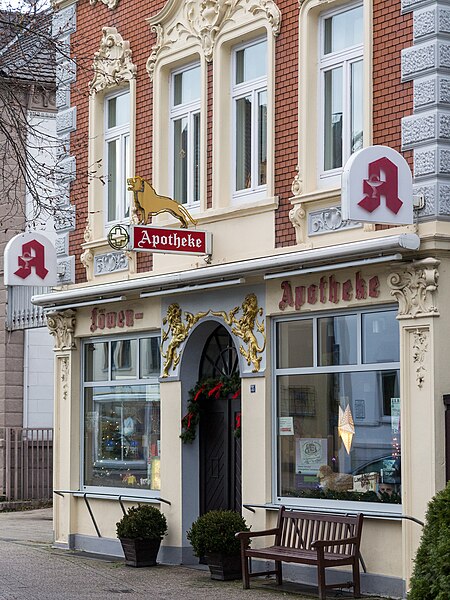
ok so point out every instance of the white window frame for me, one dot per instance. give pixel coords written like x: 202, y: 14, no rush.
x: 187, y: 110
x: 121, y: 133
x: 251, y: 88
x: 344, y: 58
x: 339, y: 506
x: 133, y: 381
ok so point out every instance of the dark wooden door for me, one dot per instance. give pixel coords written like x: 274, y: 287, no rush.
x: 220, y: 449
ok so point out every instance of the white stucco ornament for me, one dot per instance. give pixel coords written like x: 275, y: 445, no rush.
x: 112, y: 63
x: 377, y: 187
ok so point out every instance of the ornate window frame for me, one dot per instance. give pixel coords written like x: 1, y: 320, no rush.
x: 310, y: 142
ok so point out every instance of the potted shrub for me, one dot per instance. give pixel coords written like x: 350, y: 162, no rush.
x: 140, y: 532
x: 212, y: 536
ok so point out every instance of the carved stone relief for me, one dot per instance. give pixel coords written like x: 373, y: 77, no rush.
x: 110, y: 262
x: 419, y: 350
x: 64, y: 373
x: 111, y: 4
x: 204, y: 20
x: 297, y: 216
x: 62, y: 327
x: 415, y: 288
x: 112, y: 62
x: 328, y: 220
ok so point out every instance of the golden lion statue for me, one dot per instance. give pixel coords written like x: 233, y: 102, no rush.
x: 147, y: 202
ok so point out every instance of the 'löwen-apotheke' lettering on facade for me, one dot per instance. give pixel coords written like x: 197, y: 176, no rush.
x: 329, y: 290
x: 112, y: 319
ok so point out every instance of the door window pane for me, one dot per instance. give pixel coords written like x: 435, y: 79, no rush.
x: 337, y: 339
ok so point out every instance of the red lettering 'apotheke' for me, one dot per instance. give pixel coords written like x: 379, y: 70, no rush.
x: 111, y: 319
x: 336, y: 291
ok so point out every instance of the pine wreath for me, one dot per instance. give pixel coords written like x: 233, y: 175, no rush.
x: 208, y: 390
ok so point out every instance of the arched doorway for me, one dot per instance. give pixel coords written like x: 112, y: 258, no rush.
x: 220, y: 449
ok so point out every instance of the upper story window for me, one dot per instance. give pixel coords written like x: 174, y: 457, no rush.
x: 185, y: 126
x: 249, y: 97
x: 117, y: 155
x: 341, y: 84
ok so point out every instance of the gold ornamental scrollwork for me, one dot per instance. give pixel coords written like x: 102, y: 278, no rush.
x: 415, y: 288
x: 245, y: 327
x: 62, y: 327
x: 178, y: 332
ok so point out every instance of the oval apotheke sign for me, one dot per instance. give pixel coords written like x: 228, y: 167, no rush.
x: 377, y: 187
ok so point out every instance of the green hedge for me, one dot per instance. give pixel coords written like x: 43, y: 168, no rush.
x: 431, y: 576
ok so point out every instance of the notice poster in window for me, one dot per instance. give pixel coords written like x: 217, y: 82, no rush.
x: 310, y: 455
x: 395, y: 415
x: 286, y: 426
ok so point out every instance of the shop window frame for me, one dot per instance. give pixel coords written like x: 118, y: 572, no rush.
x: 318, y: 503
x: 135, y: 381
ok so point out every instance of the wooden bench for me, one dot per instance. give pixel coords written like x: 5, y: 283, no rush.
x: 324, y: 540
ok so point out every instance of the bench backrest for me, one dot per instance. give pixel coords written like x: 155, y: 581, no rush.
x: 298, y: 529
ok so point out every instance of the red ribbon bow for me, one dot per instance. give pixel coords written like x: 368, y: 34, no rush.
x: 238, y: 421
x: 215, y: 390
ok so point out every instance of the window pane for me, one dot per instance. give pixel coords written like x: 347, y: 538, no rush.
x: 123, y: 359
x: 118, y: 110
x: 150, y: 357
x: 180, y: 159
x: 113, y: 154
x: 96, y: 362
x: 251, y: 62
x: 186, y: 86
x: 333, y: 119
x: 337, y: 340
x: 356, y: 143
x: 243, y: 143
x: 343, y: 30
x: 262, y: 138
x: 334, y: 439
x: 381, y: 337
x: 127, y: 171
x: 295, y: 344
x: 122, y: 427
x: 196, y: 177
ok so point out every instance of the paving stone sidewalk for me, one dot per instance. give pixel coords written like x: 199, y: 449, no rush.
x: 30, y: 569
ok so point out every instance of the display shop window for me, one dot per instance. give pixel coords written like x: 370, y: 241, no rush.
x: 122, y: 413
x: 338, y: 416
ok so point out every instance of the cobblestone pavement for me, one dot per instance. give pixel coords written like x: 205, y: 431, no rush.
x: 30, y: 569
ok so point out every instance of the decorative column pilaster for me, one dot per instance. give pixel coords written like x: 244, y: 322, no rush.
x: 427, y: 131
x: 66, y: 420
x: 415, y: 288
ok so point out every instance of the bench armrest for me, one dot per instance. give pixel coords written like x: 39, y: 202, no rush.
x: 242, y: 535
x: 341, y: 542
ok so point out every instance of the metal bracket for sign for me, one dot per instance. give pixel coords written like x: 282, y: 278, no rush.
x: 85, y: 495
x: 418, y: 202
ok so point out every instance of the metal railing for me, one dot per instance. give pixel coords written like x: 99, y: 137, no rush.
x: 21, y: 314
x: 27, y: 463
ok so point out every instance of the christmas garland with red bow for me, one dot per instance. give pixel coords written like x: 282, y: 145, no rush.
x: 208, y: 390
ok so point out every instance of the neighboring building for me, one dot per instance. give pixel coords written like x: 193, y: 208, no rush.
x: 27, y: 133
x: 246, y: 112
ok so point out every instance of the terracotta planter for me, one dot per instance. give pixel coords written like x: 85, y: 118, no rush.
x: 140, y: 552
x: 224, y: 567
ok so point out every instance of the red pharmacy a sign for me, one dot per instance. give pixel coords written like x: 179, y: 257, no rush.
x: 176, y: 241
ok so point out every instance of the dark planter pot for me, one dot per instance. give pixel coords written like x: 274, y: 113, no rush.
x: 140, y: 552
x: 224, y: 567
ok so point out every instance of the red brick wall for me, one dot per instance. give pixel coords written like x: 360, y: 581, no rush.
x: 392, y: 99
x: 129, y: 19
x: 286, y: 118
